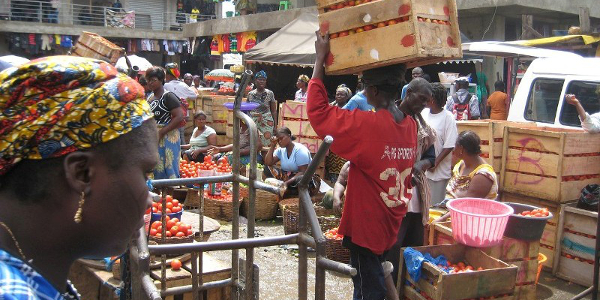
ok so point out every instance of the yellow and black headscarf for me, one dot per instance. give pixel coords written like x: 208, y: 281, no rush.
x: 59, y: 104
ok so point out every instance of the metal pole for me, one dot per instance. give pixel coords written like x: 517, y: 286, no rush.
x: 302, y: 250
x: 224, y: 245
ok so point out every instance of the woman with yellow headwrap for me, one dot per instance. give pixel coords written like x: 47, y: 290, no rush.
x: 302, y: 85
x: 342, y: 95
x: 77, y: 140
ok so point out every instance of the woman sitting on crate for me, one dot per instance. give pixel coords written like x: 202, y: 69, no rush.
x: 79, y: 166
x: 169, y: 115
x: 472, y: 176
x: 227, y: 151
x: 294, y: 158
x: 203, y: 139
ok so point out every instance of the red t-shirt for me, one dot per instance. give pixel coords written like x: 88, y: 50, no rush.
x: 381, y: 154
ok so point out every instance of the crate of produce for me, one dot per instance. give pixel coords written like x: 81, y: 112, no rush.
x: 550, y: 163
x: 223, y: 140
x: 92, y: 45
x: 548, y: 240
x: 522, y: 254
x: 490, y: 277
x: 574, y: 256
x: 491, y: 134
x: 415, y: 32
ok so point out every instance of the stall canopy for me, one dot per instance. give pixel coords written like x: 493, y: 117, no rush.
x: 294, y: 44
x: 511, y: 49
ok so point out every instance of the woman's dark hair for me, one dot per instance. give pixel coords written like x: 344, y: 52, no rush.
x: 199, y: 114
x: 142, y: 81
x: 470, y: 141
x: 440, y: 94
x: 285, y: 130
x: 499, y: 86
x: 157, y: 72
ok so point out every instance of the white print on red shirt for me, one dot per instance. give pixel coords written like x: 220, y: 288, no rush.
x: 391, y: 198
x: 398, y: 153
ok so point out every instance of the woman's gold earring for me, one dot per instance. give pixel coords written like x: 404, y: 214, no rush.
x: 78, y: 213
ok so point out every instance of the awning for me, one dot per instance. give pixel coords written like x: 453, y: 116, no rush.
x: 587, y: 39
x: 294, y: 44
x: 511, y: 49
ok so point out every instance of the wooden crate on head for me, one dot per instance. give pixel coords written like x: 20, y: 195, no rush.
x: 415, y: 32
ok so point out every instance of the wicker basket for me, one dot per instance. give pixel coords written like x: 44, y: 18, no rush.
x: 172, y: 240
x: 265, y: 205
x: 192, y: 199
x: 335, y: 251
x: 220, y: 209
x: 326, y: 217
x: 291, y: 203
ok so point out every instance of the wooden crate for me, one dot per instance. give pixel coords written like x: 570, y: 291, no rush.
x: 522, y: 254
x: 92, y: 45
x: 497, y: 280
x: 219, y: 126
x: 550, y: 163
x: 574, y: 255
x: 212, y: 270
x: 292, y: 114
x: 548, y: 242
x: 415, y: 32
x: 223, y: 140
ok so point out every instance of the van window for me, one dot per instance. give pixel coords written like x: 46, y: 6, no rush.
x: 588, y: 94
x: 543, y: 99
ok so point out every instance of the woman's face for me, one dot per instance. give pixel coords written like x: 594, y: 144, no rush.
x: 153, y: 83
x: 458, y: 152
x: 341, y: 96
x: 188, y: 80
x: 200, y: 121
x: 261, y: 83
x: 118, y: 199
x: 283, y: 140
x: 300, y: 84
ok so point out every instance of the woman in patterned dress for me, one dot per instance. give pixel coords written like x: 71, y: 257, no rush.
x: 168, y: 114
x: 266, y: 112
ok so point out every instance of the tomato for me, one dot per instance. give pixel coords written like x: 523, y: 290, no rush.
x: 343, y: 33
x: 155, y: 224
x: 391, y: 22
x: 176, y: 209
x: 155, y: 210
x: 153, y: 232
x: 154, y: 204
x: 175, y: 202
x: 169, y: 198
x: 169, y: 211
x: 169, y: 205
x: 176, y: 264
x: 158, y: 235
x: 159, y: 228
x: 359, y: 30
x: 368, y: 27
x: 167, y: 218
x: 174, y: 230
x: 175, y: 220
x: 168, y: 234
x: 189, y: 232
x: 180, y: 234
x: 170, y: 224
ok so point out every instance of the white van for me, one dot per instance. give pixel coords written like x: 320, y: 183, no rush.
x: 541, y: 93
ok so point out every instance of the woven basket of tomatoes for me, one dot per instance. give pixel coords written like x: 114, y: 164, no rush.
x: 218, y: 207
x: 327, y: 218
x: 333, y: 247
x: 527, y: 222
x: 176, y: 232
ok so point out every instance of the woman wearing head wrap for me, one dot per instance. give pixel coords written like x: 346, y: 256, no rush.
x: 168, y: 114
x: 266, y: 111
x: 76, y: 143
x: 302, y: 85
x: 342, y: 95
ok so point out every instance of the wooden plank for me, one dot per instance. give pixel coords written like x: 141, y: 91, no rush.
x: 223, y: 140
x: 357, y: 16
x: 530, y: 185
x: 526, y: 270
x: 293, y: 110
x: 219, y: 127
x: 535, y: 139
x: 571, y: 190
x: 434, y: 36
x: 300, y: 128
x: 585, y: 165
x: 525, y: 292
x: 432, y: 7
x: 412, y: 294
x: 311, y: 143
x: 219, y: 114
x: 532, y: 162
x: 575, y: 271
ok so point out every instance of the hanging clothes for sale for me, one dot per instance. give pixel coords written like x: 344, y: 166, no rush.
x: 239, y: 37
x: 216, y: 46
x: 233, y: 40
x: 248, y: 40
x: 226, y: 43
x: 46, y: 42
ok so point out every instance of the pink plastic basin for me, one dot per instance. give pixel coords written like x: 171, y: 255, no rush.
x: 478, y: 222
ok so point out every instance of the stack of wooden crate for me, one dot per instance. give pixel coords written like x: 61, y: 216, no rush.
x: 415, y: 32
x: 548, y: 167
x: 216, y: 112
x: 522, y: 254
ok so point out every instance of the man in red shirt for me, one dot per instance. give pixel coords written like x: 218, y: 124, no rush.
x: 381, y: 147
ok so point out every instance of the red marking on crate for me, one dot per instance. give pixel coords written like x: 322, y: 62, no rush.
x: 329, y: 60
x: 446, y: 10
x: 404, y: 9
x: 408, y: 40
x: 450, y: 42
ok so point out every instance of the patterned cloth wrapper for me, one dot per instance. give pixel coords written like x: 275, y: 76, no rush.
x: 59, y: 104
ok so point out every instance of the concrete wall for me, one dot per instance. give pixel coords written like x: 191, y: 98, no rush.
x: 4, y: 45
x: 555, y: 5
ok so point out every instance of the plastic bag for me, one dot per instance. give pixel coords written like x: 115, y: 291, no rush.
x: 590, y: 195
x: 414, y: 261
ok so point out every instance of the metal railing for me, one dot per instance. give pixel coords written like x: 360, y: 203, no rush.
x: 90, y: 15
x: 143, y: 286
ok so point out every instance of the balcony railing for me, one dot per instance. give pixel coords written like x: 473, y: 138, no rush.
x: 103, y: 16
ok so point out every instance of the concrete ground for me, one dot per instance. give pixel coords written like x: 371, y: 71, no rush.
x: 278, y: 267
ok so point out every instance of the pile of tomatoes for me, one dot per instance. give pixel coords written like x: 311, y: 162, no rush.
x: 346, y: 4
x: 175, y: 228
x: 173, y: 206
x: 460, y: 267
x: 427, y: 20
x: 188, y: 169
x: 536, y: 213
x: 368, y: 27
x: 333, y: 234
x: 208, y: 164
x: 223, y: 90
x: 223, y: 165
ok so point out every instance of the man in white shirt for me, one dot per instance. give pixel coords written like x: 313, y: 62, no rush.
x: 443, y: 122
x: 180, y: 89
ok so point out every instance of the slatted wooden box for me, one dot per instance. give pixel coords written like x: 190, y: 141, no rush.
x: 550, y: 163
x: 292, y: 114
x: 574, y: 255
x: 497, y: 280
x: 385, y: 32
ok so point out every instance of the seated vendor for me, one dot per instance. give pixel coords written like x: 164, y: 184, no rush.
x: 218, y: 152
x: 294, y: 158
x: 203, y: 138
